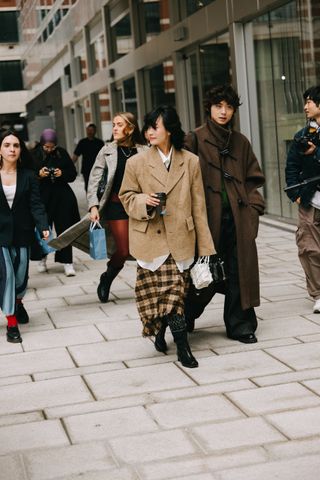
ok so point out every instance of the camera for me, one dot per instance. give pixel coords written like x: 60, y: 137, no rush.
x: 309, y: 136
x: 51, y: 171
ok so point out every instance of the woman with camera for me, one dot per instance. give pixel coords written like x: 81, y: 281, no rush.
x: 103, y: 188
x: 20, y: 211
x: 56, y: 170
x: 162, y: 237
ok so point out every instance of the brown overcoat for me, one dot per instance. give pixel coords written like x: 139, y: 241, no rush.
x: 245, y: 176
x: 185, y: 222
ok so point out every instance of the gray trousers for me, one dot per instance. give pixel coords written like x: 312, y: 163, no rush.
x: 308, y: 243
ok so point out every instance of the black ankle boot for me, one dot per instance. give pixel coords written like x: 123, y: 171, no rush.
x: 106, y: 280
x: 178, y: 329
x: 13, y: 335
x: 159, y: 341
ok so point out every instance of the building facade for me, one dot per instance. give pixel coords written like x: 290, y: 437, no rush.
x: 13, y: 96
x: 85, y: 60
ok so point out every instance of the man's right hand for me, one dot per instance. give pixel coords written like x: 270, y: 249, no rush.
x: 94, y: 214
x: 311, y: 149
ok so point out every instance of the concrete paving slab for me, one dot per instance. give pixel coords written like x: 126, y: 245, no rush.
x: 237, y: 458
x: 69, y: 460
x: 261, y: 401
x: 35, y: 305
x: 105, y: 425
x: 45, y: 434
x: 138, y: 380
x: 298, y: 357
x: 217, y: 437
x: 120, y: 329
x: 32, y: 362
x: 18, y: 418
x: 236, y: 347
x: 6, y: 347
x: 98, y: 406
x: 293, y: 469
x: 15, y: 379
x: 72, y: 317
x: 292, y: 376
x: 167, y: 469
x: 112, y: 351
x: 152, y: 446
x: 277, y: 309
x: 186, y: 412
x: 62, y: 337
x: 293, y: 448
x: 77, y: 371
x: 11, y: 468
x: 313, y: 385
x: 122, y: 473
x: 235, y: 366
x: 38, y: 395
x: 297, y: 424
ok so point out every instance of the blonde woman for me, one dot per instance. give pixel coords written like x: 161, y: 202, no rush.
x: 109, y: 169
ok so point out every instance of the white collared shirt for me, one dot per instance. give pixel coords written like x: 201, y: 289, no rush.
x: 158, y: 261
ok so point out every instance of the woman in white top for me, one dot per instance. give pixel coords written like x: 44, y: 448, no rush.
x: 20, y: 211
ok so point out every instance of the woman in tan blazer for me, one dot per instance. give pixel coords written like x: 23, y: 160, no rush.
x: 164, y: 242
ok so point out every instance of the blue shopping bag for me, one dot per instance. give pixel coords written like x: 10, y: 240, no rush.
x: 98, y: 244
x: 46, y: 249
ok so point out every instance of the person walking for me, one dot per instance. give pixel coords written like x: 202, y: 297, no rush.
x: 56, y: 170
x: 231, y: 176
x: 103, y: 188
x: 89, y: 148
x: 163, y: 241
x: 20, y: 211
x: 303, y: 162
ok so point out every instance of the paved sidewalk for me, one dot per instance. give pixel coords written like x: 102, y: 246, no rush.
x: 86, y: 397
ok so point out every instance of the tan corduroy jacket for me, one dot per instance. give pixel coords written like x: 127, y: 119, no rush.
x: 185, y: 224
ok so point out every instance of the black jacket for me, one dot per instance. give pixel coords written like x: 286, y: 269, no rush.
x: 299, y: 167
x: 17, y: 223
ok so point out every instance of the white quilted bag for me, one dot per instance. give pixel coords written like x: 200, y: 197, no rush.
x: 200, y: 273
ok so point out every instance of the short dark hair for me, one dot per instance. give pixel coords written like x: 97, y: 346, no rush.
x: 313, y: 93
x: 25, y: 156
x: 92, y: 125
x: 219, y: 93
x: 171, y: 122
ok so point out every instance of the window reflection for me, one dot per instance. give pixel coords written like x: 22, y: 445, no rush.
x: 162, y: 83
x: 122, y: 37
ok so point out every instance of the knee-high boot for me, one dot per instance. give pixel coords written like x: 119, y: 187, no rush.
x: 106, y: 280
x: 159, y: 341
x: 177, y: 325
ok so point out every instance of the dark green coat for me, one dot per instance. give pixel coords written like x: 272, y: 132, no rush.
x: 246, y: 202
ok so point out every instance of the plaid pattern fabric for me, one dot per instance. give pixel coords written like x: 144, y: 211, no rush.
x: 160, y: 293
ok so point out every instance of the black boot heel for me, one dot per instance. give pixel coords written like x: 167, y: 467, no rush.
x: 106, y: 280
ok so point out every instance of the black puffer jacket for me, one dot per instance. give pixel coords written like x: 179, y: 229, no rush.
x: 299, y: 167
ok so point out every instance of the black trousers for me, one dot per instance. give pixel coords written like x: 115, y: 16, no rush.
x: 237, y: 321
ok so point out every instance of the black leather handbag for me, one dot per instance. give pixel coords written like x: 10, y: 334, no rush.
x: 102, y: 183
x: 217, y: 270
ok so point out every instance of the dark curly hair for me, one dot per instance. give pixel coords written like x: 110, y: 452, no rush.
x: 313, y: 93
x: 171, y: 122
x: 25, y: 160
x: 219, y: 93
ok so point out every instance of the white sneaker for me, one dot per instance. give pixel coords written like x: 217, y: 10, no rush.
x: 316, y: 306
x: 69, y: 270
x: 42, y: 265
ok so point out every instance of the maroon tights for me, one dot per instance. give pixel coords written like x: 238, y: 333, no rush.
x: 120, y: 233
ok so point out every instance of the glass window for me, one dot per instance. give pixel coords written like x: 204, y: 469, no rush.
x: 155, y: 15
x: 98, y: 54
x: 285, y: 57
x: 162, y: 84
x: 130, y: 96
x: 121, y: 37
x: 9, y: 27
x: 194, y: 5
x: 10, y: 76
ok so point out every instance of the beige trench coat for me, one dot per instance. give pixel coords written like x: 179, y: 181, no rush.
x: 185, y: 223
x: 78, y: 234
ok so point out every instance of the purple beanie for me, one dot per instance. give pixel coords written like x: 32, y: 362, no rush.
x: 48, y: 136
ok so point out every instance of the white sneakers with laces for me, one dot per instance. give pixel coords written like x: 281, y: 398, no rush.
x: 42, y: 265
x: 69, y: 270
x: 316, y: 306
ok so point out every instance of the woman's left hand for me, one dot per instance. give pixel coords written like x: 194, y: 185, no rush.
x: 57, y: 172
x: 45, y: 234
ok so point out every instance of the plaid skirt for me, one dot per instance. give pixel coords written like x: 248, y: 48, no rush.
x: 160, y: 293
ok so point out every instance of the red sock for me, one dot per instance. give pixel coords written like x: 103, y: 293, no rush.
x: 12, y: 321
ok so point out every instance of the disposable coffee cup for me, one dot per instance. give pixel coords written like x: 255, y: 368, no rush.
x: 161, y: 208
